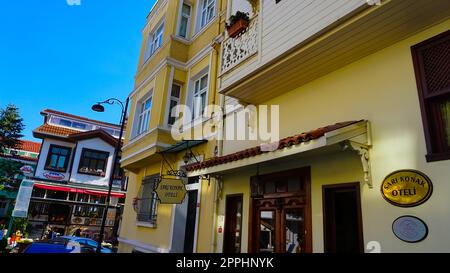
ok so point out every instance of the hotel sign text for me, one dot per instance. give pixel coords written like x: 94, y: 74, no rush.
x: 406, y: 188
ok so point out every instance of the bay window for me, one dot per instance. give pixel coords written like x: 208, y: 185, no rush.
x: 207, y: 11
x: 173, y: 102
x: 200, y: 96
x: 144, y: 107
x: 185, y: 21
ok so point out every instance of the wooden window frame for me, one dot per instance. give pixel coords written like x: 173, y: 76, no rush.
x: 49, y: 155
x: 105, y: 166
x: 434, y: 134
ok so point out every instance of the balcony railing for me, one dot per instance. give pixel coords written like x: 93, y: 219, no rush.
x: 236, y: 50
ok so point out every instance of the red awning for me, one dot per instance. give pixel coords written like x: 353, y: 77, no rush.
x: 68, y: 189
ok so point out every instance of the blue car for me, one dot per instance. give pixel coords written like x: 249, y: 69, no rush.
x: 89, y: 245
x: 54, y: 246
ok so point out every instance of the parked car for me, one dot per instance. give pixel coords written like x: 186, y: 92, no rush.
x: 89, y: 245
x: 54, y: 246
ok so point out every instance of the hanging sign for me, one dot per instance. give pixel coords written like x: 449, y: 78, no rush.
x: 410, y: 229
x: 171, y: 191
x: 406, y: 188
x: 23, y: 199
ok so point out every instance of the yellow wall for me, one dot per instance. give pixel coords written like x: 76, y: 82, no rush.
x: 139, y: 156
x: 382, y: 89
x: 158, y: 236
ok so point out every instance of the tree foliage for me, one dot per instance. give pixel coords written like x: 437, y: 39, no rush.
x: 11, y: 127
x: 8, y: 170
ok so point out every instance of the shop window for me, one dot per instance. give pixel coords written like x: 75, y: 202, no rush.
x: 83, y: 197
x: 146, y: 203
x: 59, y: 195
x: 277, y: 183
x: 58, y: 158
x: 93, y: 162
x: 432, y: 68
x: 39, y: 193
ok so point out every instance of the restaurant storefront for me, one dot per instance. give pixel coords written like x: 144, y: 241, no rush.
x: 65, y: 209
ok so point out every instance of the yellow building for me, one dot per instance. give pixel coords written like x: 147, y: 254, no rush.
x: 373, y: 78
x: 177, y: 66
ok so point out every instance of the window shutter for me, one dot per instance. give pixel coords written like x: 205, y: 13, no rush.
x: 432, y: 68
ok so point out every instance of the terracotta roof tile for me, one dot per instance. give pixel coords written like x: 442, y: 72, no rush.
x: 283, y: 143
x: 55, y: 130
x: 29, y: 146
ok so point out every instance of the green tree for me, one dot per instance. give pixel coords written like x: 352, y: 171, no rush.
x: 11, y: 127
x: 8, y: 170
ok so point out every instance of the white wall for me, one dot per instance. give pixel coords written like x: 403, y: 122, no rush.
x: 284, y: 25
x: 94, y: 144
x: 382, y: 89
x: 43, y: 157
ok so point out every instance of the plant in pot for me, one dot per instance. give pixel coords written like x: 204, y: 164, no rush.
x: 237, y: 23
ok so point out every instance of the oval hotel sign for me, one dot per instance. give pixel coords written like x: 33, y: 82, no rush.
x: 406, y: 188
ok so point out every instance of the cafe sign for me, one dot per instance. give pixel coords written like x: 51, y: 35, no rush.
x: 171, y: 191
x: 406, y: 188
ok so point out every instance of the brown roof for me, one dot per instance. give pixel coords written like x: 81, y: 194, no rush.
x: 283, y: 143
x: 55, y: 130
x: 29, y: 146
x: 50, y: 111
x: 95, y: 133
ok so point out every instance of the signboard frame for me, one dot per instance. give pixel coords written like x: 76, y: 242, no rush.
x: 422, y: 200
x: 160, y: 183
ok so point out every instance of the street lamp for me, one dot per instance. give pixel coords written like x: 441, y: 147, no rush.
x: 98, y: 107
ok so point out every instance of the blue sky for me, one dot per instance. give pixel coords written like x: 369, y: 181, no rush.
x: 62, y: 57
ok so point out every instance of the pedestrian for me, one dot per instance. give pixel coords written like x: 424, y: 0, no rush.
x: 50, y: 234
x: 77, y: 232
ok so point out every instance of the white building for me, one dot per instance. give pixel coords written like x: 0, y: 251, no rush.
x: 72, y: 176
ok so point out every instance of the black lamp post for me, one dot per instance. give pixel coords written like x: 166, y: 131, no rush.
x: 99, y: 108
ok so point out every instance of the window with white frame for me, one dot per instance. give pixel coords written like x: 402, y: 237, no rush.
x: 207, y: 11
x: 175, y: 95
x: 200, y: 95
x: 145, y: 107
x: 154, y: 42
x: 185, y: 21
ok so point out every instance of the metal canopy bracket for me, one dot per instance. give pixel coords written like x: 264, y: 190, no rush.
x: 183, y: 145
x: 363, y: 151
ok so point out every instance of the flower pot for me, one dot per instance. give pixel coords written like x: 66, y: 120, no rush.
x: 237, y: 28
